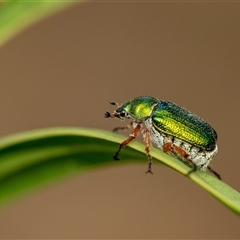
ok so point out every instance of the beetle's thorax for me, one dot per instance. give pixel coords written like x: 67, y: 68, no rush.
x: 139, y: 109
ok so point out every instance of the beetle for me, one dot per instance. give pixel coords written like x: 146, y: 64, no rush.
x: 171, y: 128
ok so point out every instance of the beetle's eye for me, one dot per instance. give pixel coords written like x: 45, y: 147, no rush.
x: 122, y: 114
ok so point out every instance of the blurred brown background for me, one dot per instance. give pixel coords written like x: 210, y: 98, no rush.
x: 64, y: 70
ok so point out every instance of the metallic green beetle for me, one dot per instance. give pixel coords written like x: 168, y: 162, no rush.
x: 171, y: 128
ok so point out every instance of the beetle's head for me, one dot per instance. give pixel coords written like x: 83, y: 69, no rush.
x: 137, y: 109
x: 121, y: 112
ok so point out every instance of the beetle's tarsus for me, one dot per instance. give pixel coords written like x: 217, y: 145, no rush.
x: 209, y: 168
x: 214, y: 172
x: 149, y: 166
x: 149, y: 171
x: 115, y: 157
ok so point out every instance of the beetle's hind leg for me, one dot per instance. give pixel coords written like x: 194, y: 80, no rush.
x: 171, y: 149
x: 214, y: 172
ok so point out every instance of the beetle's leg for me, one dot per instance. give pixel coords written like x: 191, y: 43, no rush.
x: 147, y: 141
x: 214, y: 172
x: 171, y: 148
x: 129, y: 126
x: 132, y: 136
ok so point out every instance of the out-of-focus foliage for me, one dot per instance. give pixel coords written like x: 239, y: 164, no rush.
x: 17, y: 15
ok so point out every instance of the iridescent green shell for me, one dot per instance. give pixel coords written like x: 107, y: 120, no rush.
x: 176, y: 121
x: 172, y: 120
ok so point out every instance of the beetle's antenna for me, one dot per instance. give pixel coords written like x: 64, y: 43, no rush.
x: 110, y: 115
x: 114, y: 103
x: 107, y: 115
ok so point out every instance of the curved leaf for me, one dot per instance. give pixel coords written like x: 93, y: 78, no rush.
x: 32, y: 159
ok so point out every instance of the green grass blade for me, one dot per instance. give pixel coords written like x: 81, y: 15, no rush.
x: 29, y: 160
x: 37, y: 158
x: 17, y: 15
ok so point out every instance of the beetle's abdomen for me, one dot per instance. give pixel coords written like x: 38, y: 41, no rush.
x: 176, y: 121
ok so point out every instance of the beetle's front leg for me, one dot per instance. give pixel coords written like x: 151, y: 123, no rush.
x: 129, y: 126
x: 132, y: 136
x: 147, y: 141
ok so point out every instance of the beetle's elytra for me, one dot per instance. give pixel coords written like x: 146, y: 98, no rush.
x: 173, y: 129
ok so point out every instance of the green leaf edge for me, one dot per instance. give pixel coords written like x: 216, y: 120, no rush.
x: 220, y: 190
